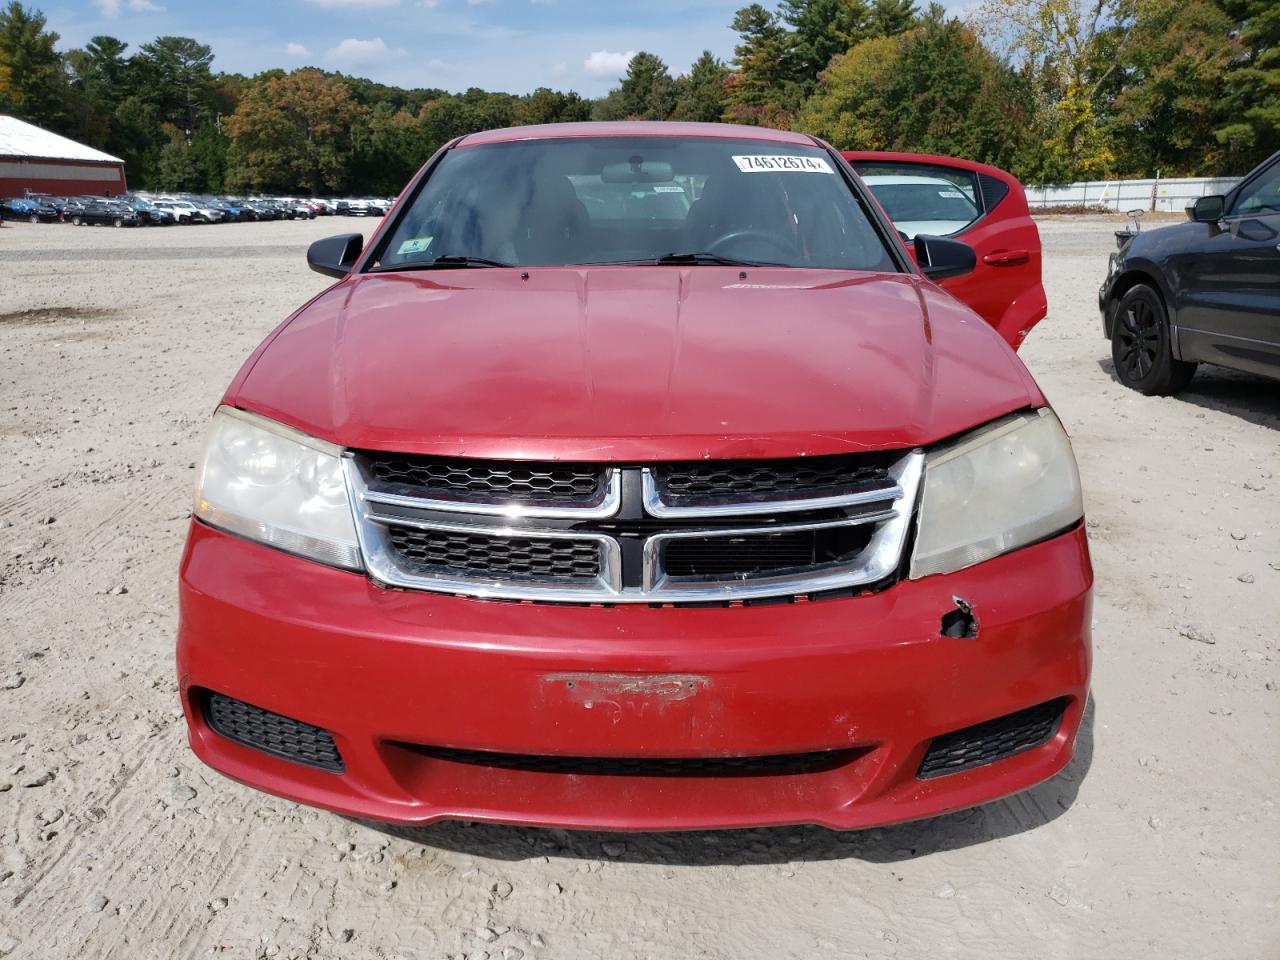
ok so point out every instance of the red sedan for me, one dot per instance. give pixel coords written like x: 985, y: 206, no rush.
x: 636, y: 476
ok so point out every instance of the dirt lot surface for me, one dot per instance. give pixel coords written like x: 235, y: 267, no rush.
x: 1161, y: 840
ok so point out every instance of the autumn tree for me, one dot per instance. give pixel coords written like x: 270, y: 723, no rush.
x: 1164, y: 102
x: 292, y: 130
x: 820, y: 29
x: 934, y: 89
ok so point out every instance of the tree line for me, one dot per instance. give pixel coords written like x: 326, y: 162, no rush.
x: 1053, y: 90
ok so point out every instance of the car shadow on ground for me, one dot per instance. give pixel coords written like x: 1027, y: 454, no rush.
x: 1249, y: 396
x: 774, y: 845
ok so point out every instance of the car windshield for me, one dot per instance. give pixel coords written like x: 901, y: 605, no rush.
x: 596, y: 200
x: 923, y: 204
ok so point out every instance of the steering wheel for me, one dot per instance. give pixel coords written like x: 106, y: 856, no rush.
x: 783, y: 245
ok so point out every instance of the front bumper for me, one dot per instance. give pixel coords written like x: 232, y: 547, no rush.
x: 381, y: 669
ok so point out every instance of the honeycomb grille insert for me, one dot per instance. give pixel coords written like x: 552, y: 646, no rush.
x: 491, y: 480
x: 271, y: 733
x: 684, y: 484
x: 707, y: 767
x: 994, y: 740
x: 467, y: 554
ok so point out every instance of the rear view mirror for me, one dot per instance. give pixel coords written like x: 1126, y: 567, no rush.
x: 1209, y: 209
x: 335, y: 256
x: 940, y: 258
x: 645, y: 171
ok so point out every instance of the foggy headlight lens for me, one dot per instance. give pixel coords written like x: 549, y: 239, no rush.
x: 280, y: 487
x: 995, y: 490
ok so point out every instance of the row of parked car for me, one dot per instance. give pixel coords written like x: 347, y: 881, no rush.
x: 135, y: 209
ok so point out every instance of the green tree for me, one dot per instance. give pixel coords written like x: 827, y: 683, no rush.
x: 853, y: 100
x: 292, y: 131
x: 820, y: 29
x: 888, y: 18
x: 34, y: 87
x: 761, y: 90
x: 551, y: 106
x: 176, y: 77
x: 700, y: 96
x: 647, y: 91
x: 175, y: 167
x: 1250, y: 107
x: 1164, y: 102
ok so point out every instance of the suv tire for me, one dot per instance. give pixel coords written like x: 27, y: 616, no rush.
x: 1142, y: 345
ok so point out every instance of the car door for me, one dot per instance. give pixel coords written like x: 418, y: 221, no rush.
x: 1227, y: 281
x: 979, y: 204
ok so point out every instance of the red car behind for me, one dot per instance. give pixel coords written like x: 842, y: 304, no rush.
x: 634, y: 476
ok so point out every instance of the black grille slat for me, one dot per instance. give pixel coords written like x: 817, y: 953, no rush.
x: 687, y: 483
x: 993, y: 740
x: 468, y: 554
x: 271, y: 733
x: 507, y: 481
x: 742, y: 556
x: 776, y: 765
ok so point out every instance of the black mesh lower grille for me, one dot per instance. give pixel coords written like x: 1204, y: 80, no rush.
x: 719, y: 557
x: 507, y: 481
x: 468, y: 554
x: 991, y: 741
x: 777, y: 765
x: 688, y: 482
x: 271, y: 733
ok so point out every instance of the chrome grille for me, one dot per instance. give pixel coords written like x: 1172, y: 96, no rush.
x: 719, y: 532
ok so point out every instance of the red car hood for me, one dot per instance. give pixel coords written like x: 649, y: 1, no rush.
x: 633, y: 363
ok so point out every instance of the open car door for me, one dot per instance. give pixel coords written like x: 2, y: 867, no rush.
x: 981, y: 205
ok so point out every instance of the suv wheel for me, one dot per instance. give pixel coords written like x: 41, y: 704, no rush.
x: 1141, y: 346
x: 76, y: 221
x: 33, y: 218
x: 117, y: 222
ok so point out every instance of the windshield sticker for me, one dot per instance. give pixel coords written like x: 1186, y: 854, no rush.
x: 951, y: 194
x: 416, y: 245
x: 668, y: 188
x: 772, y: 163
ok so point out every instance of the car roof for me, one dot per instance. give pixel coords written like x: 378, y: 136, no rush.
x: 636, y: 128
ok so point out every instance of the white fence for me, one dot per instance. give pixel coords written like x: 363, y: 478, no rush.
x: 1172, y: 196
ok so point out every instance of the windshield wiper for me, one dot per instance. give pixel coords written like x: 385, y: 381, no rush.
x: 702, y: 258
x: 440, y: 263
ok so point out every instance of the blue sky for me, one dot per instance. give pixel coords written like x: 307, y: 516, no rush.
x: 513, y: 45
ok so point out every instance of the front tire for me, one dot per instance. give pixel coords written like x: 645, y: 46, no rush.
x: 1142, y: 345
x: 76, y: 221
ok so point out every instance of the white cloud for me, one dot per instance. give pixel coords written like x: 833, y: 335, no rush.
x: 113, y: 8
x: 361, y: 54
x: 295, y: 50
x: 355, y: 3
x: 607, y: 63
x: 560, y: 69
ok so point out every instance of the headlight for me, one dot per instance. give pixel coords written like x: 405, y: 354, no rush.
x: 994, y: 490
x: 275, y: 485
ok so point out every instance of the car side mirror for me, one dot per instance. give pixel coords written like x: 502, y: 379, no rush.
x: 335, y: 256
x: 1209, y: 209
x: 940, y: 258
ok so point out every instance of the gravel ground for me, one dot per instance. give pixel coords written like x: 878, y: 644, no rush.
x: 1162, y: 838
